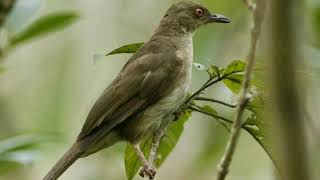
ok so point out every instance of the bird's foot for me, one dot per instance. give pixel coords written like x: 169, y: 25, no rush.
x: 148, y: 170
x: 178, y: 114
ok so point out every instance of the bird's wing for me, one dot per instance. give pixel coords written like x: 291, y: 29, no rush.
x: 139, y: 84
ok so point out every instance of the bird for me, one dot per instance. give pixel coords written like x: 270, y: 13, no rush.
x: 148, y: 90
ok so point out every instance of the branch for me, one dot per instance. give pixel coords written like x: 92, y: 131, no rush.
x: 258, y: 13
x: 199, y: 91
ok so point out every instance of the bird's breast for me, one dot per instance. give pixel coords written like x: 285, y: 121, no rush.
x: 155, y: 114
x: 175, y: 98
x: 185, y: 53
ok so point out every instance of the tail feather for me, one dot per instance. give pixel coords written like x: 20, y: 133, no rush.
x: 64, y: 162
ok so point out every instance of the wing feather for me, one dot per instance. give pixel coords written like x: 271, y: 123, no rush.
x: 138, y: 85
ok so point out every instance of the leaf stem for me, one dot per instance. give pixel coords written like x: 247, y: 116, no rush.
x: 210, y: 114
x: 215, y: 101
x: 209, y: 83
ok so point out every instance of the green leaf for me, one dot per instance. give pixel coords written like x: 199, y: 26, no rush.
x: 260, y: 130
x: 171, y: 138
x: 256, y: 105
x: 253, y: 120
x: 131, y: 160
x: 129, y: 48
x: 259, y: 127
x: 235, y: 66
x: 234, y: 82
x: 45, y: 25
x: 169, y: 141
x: 215, y: 71
x: 208, y: 109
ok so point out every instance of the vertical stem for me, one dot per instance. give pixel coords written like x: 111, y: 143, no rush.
x: 290, y: 142
x: 258, y: 14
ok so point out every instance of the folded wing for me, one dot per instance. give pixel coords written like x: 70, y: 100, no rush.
x: 139, y: 84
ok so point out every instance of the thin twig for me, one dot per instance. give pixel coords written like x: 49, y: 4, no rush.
x: 210, y: 114
x: 215, y: 101
x: 198, y: 92
x: 225, y: 162
x: 209, y: 83
x: 220, y: 119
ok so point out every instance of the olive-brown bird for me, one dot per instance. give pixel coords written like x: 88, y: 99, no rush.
x: 147, y: 91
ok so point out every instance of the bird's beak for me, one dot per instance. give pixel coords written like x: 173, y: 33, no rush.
x: 217, y: 18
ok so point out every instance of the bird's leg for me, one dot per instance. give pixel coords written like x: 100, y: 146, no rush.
x: 155, y: 144
x: 157, y: 137
x: 147, y: 169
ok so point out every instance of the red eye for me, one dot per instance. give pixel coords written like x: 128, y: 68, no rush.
x: 199, y: 12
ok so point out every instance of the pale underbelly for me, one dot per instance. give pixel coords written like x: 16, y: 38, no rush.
x: 164, y: 109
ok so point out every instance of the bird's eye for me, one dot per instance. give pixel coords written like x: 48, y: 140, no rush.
x: 199, y: 12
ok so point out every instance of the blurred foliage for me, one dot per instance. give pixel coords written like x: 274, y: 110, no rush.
x: 5, y: 8
x: 18, y: 151
x: 316, y: 25
x: 233, y: 82
x: 40, y: 27
x: 19, y: 16
x: 2, y: 69
x: 45, y: 25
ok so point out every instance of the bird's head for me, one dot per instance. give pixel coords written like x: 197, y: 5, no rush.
x: 186, y: 16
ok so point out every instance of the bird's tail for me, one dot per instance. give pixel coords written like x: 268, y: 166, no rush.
x: 64, y: 162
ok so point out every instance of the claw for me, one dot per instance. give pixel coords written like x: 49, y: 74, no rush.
x: 149, y: 171
x: 178, y: 114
